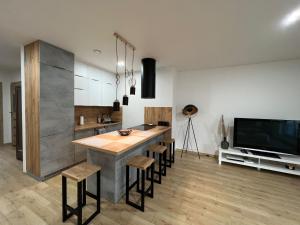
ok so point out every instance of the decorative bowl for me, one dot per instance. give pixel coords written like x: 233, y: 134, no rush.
x: 125, y: 132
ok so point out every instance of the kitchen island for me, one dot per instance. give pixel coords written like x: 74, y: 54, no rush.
x: 111, y: 151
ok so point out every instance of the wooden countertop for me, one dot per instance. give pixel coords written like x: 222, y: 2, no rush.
x: 113, y: 143
x: 88, y: 126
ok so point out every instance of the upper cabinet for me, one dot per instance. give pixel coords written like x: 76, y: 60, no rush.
x: 81, y: 84
x: 109, y: 89
x: 93, y: 86
x: 80, y: 69
x: 95, y: 90
x: 57, y: 57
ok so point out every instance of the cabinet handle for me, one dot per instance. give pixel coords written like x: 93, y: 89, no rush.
x: 109, y: 83
x: 94, y: 79
x: 78, y: 89
x: 78, y: 75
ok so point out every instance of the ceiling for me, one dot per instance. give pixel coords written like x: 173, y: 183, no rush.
x: 185, y: 34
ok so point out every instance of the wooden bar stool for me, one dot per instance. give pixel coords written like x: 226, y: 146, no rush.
x: 79, y: 173
x: 162, y: 154
x: 171, y: 147
x: 140, y: 163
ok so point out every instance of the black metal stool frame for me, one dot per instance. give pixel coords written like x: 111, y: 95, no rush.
x: 149, y: 192
x: 171, y: 155
x: 81, y: 200
x: 162, y: 167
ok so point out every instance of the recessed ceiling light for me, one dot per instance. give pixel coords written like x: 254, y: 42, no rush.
x: 97, y: 51
x: 121, y: 63
x: 291, y: 18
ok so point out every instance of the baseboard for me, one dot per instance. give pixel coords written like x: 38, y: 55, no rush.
x: 201, y: 153
x: 48, y: 176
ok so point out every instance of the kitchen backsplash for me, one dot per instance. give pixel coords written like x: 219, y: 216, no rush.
x: 91, y: 113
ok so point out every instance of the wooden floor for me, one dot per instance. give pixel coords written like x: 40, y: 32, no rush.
x: 194, y: 192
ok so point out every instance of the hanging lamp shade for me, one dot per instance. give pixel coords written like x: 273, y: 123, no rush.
x: 132, y: 90
x: 125, y: 100
x: 189, y: 110
x: 116, y: 105
x: 148, y: 78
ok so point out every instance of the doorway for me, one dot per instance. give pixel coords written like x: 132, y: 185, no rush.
x: 16, y: 118
x: 1, y: 115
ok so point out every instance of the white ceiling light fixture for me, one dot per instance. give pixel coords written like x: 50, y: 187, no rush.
x: 291, y: 18
x: 97, y: 51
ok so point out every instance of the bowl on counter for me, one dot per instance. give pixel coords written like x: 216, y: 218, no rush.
x: 125, y: 132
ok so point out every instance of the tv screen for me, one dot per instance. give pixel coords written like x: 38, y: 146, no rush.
x: 270, y: 135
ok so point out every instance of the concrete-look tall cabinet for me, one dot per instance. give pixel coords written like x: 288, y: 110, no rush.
x: 49, y: 103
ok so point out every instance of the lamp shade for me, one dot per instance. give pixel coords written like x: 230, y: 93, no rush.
x: 125, y: 100
x: 116, y: 105
x: 132, y: 90
x: 189, y: 110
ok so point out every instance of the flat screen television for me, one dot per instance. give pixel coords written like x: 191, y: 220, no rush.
x: 282, y: 136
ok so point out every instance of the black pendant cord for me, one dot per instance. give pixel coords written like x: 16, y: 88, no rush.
x: 125, y: 97
x: 132, y: 63
x: 125, y: 65
x: 117, y: 73
x: 132, y: 80
x: 116, y: 103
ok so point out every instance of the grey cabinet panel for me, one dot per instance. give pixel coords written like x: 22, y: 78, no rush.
x: 84, y: 133
x: 113, y: 128
x: 80, y: 152
x: 56, y: 100
x: 54, y: 56
x: 56, y: 152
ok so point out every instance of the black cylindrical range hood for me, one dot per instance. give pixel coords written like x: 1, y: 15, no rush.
x: 148, y: 78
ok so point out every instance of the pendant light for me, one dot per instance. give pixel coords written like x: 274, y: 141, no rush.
x: 125, y: 97
x: 148, y: 78
x: 132, y: 81
x: 116, y: 104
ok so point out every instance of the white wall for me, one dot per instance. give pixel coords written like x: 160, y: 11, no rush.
x: 269, y: 90
x: 7, y: 78
x: 133, y: 114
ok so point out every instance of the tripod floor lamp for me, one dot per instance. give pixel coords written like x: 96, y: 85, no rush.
x: 188, y: 111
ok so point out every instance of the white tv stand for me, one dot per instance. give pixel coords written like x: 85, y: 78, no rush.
x: 235, y: 156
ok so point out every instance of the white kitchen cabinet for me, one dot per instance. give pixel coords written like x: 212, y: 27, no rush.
x: 80, y: 97
x: 95, y: 92
x: 81, y: 87
x: 80, y: 69
x: 108, y: 91
x: 93, y: 86
x: 81, y: 82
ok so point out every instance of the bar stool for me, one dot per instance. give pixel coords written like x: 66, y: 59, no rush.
x: 162, y: 167
x: 170, y: 142
x: 140, y: 163
x: 79, y: 173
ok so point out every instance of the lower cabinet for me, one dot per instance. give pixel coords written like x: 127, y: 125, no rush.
x: 56, y: 152
x: 80, y: 152
x: 113, y: 128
